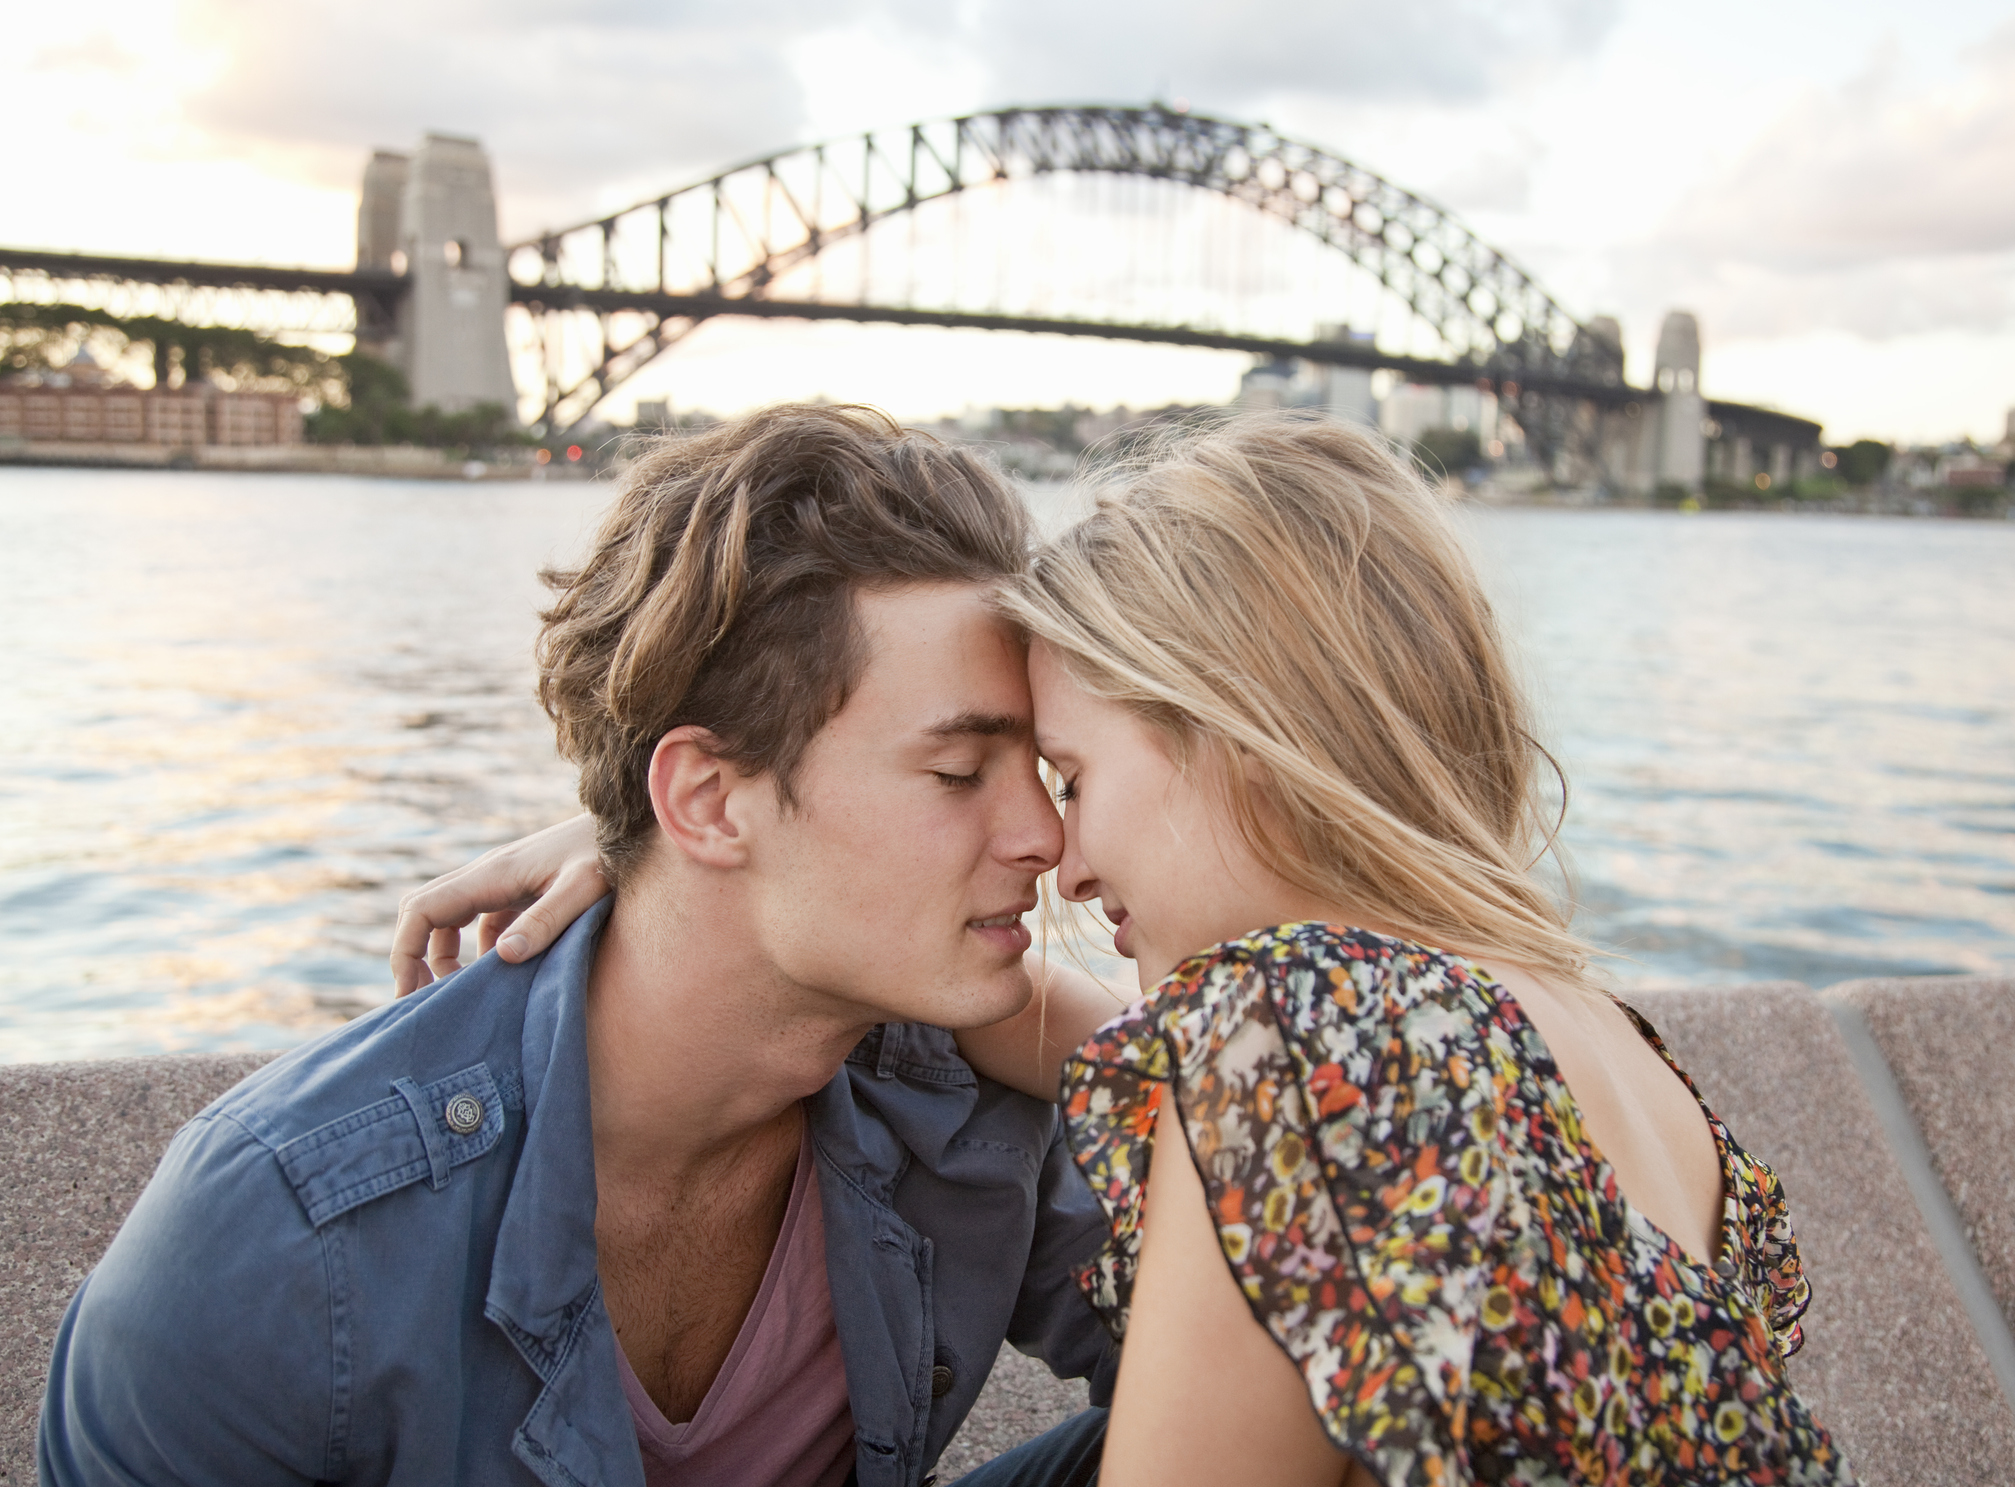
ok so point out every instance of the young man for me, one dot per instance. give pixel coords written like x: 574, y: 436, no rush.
x: 704, y: 1194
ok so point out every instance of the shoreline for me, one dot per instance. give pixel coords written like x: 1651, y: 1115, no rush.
x: 414, y: 462
x: 1895, y: 507
x: 392, y: 461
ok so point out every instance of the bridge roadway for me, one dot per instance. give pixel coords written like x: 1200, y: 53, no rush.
x: 384, y: 288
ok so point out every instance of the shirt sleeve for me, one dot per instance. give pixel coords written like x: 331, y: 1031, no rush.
x: 203, y: 1347
x: 1052, y: 1319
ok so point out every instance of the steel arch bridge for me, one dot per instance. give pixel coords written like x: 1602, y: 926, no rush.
x: 609, y: 295
x: 816, y: 232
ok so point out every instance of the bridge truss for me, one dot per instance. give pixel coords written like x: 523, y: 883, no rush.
x: 294, y: 304
x: 886, y: 227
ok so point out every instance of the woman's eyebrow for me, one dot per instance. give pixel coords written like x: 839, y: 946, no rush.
x: 982, y: 725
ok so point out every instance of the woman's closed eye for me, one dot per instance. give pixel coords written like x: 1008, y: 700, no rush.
x: 1066, y: 792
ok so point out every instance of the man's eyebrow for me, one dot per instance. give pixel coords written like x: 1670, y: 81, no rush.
x: 981, y: 725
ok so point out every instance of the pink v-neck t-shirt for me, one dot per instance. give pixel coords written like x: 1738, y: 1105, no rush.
x: 777, y: 1414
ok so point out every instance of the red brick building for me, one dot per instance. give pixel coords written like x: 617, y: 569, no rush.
x: 177, y: 418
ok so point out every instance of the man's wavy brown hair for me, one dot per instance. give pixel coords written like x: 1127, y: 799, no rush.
x: 719, y: 592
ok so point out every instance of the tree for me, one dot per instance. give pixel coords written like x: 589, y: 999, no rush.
x: 1448, y: 451
x: 1863, y: 461
x: 44, y: 338
x: 374, y: 406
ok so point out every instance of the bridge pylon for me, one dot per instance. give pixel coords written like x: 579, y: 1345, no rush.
x: 1682, y: 411
x: 433, y: 217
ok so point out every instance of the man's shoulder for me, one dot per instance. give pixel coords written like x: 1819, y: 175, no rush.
x: 409, y: 1091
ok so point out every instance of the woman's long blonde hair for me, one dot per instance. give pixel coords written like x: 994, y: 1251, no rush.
x: 1288, y: 591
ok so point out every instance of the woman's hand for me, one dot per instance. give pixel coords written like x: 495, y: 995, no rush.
x: 533, y: 888
x: 1027, y: 1051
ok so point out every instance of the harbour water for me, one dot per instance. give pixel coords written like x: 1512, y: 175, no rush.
x: 241, y: 714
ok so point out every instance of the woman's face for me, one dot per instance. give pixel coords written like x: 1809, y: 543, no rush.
x: 1155, y: 845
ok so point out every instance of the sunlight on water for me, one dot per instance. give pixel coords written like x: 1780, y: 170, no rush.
x: 1791, y: 740
x: 241, y: 714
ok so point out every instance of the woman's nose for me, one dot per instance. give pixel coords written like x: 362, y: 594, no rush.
x: 1074, y: 880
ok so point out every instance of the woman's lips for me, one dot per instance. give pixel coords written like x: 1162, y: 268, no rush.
x: 1121, y: 941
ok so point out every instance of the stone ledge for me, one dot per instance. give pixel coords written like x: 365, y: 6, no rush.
x: 1892, y: 1364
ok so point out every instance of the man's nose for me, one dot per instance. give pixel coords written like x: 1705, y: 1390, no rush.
x: 1030, y: 833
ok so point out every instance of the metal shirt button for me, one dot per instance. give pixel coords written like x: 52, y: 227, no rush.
x: 1725, y: 1268
x: 941, y: 1381
x: 464, y: 1114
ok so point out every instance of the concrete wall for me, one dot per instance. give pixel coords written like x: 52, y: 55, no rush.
x: 1884, y: 1107
x: 380, y: 208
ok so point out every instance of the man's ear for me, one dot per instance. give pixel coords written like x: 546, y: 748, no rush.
x: 691, y: 789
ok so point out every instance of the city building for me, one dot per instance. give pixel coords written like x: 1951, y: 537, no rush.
x: 1965, y: 470
x: 1412, y: 409
x: 1274, y: 384
x: 1345, y: 393
x: 177, y: 418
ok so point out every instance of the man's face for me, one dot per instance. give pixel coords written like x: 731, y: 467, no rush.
x: 900, y: 882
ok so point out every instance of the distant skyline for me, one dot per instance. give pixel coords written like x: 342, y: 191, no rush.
x: 1825, y: 186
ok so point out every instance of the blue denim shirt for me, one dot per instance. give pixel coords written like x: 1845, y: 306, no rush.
x: 374, y: 1260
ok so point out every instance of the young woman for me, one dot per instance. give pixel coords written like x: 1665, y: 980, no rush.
x: 1442, y: 1211
x: 1481, y: 1222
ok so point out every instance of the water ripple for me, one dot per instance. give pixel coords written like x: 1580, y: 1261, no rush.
x: 243, y: 713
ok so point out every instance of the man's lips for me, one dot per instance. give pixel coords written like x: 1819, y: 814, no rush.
x: 1004, y: 931
x: 1006, y: 919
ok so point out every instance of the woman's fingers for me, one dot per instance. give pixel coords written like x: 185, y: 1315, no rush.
x: 574, y: 891
x: 523, y: 894
x: 490, y: 926
x: 412, y: 943
x: 444, y: 950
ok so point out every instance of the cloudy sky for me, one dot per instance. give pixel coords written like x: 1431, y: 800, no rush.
x: 1829, y: 186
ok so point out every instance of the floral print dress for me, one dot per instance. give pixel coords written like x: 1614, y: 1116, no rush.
x: 1402, y: 1187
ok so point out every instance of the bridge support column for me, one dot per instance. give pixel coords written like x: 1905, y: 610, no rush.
x: 378, y: 214
x: 451, y: 325
x: 1682, y: 412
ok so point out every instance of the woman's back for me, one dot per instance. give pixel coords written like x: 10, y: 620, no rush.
x: 1636, y: 1110
x: 1408, y: 1197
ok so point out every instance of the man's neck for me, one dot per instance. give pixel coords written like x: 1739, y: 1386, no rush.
x: 696, y: 1044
